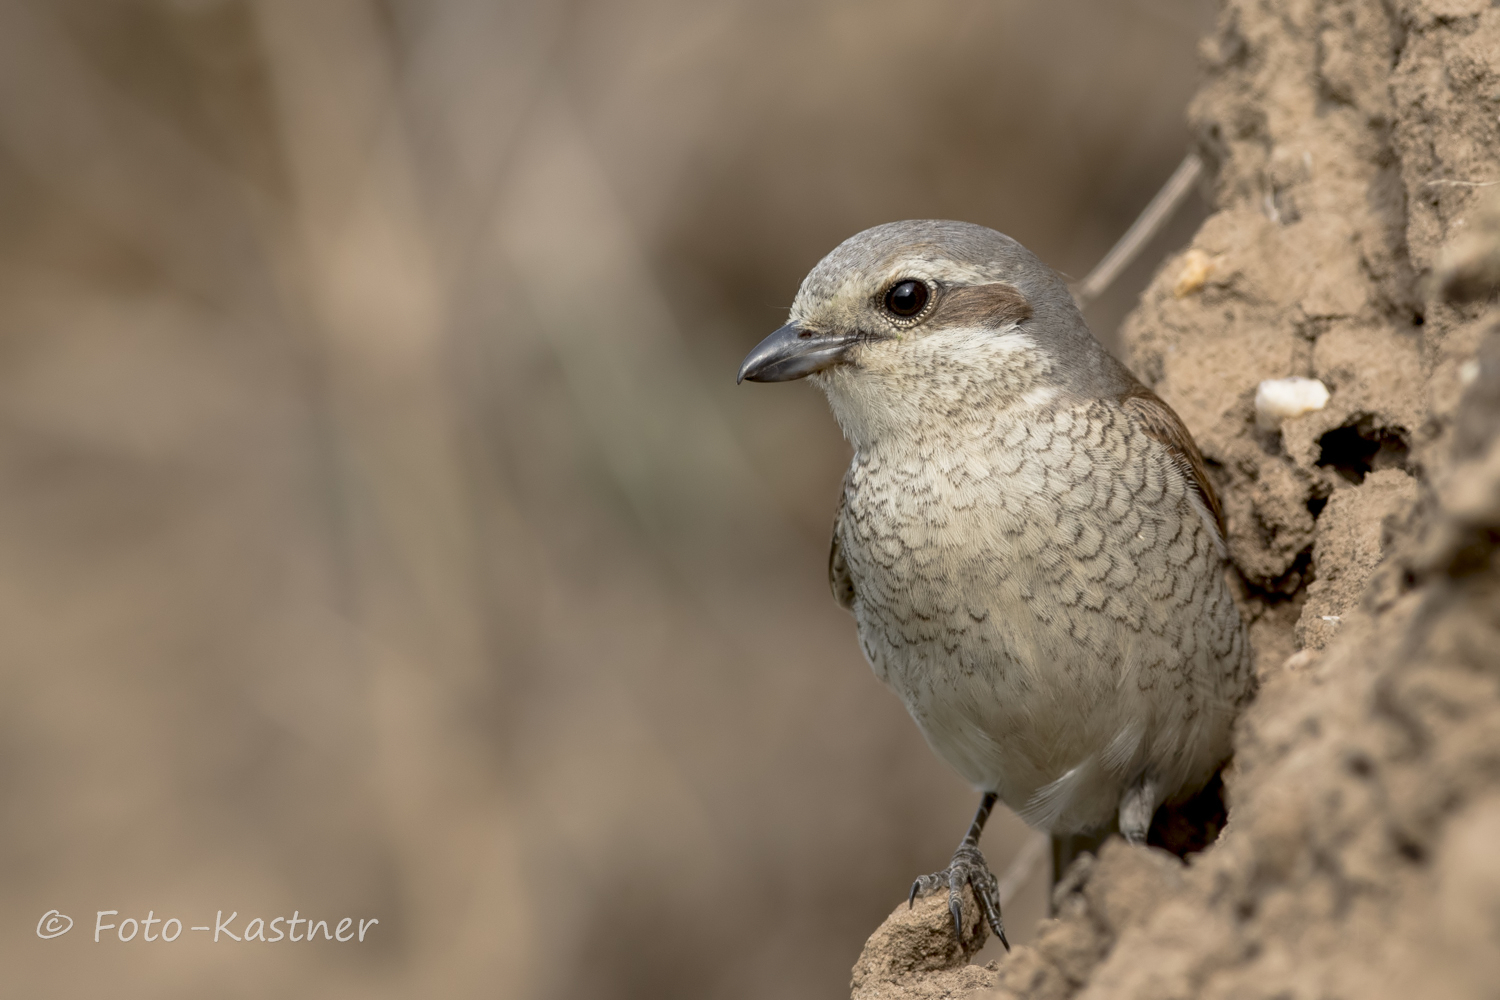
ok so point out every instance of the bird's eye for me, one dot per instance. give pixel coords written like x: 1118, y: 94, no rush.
x: 906, y: 298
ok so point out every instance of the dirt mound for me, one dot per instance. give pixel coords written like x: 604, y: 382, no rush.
x: 1353, y: 146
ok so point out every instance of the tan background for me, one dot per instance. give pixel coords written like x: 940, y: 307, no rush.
x: 381, y: 531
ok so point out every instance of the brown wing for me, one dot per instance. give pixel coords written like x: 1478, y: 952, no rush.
x: 1166, y: 426
x: 839, y: 580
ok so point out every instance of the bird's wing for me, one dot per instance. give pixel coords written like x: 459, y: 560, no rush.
x: 839, y: 580
x: 1162, y: 423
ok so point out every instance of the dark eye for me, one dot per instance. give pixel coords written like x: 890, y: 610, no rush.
x: 906, y: 298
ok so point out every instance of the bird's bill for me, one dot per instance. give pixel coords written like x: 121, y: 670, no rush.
x: 793, y: 352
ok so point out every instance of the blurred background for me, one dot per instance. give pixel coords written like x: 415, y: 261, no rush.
x: 382, y: 533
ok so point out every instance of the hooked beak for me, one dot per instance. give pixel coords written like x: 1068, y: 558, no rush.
x: 792, y: 353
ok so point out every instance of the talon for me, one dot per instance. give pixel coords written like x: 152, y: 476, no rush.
x: 967, y: 868
x: 991, y: 907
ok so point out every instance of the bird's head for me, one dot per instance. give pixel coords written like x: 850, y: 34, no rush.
x: 911, y: 315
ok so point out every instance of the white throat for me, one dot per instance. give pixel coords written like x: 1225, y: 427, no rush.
x: 900, y: 389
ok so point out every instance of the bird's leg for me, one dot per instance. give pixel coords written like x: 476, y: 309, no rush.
x: 1137, y: 807
x: 968, y: 868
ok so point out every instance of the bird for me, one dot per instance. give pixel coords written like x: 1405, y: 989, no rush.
x: 1026, y: 536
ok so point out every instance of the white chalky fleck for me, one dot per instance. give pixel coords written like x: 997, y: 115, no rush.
x: 1278, y: 399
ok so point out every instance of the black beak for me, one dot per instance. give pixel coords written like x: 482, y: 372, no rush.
x: 792, y: 353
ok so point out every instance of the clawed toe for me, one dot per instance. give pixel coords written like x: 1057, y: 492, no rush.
x: 967, y: 868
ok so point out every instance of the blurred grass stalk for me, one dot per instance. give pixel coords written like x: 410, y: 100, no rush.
x: 357, y: 263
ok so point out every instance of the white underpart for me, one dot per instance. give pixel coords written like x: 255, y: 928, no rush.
x: 1039, y: 396
x: 1279, y: 399
x: 1048, y: 803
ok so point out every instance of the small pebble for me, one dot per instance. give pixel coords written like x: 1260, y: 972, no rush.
x: 1196, y: 267
x: 1279, y: 398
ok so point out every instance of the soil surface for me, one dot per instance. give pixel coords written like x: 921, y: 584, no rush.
x: 1355, y: 153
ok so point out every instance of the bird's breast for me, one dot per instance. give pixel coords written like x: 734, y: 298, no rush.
x: 1010, y: 586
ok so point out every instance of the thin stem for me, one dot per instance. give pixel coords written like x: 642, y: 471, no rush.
x: 1147, y: 225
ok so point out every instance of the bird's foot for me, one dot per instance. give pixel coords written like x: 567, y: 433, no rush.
x: 1137, y: 807
x: 967, y: 868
